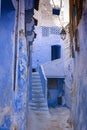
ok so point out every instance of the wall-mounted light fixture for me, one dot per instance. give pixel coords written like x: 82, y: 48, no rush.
x: 63, y: 34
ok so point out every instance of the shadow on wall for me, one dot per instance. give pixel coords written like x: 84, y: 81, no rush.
x: 55, y: 92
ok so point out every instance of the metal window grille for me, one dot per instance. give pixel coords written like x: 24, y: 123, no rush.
x: 45, y: 31
x: 55, y: 30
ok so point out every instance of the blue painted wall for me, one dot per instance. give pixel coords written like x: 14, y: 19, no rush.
x: 7, y: 5
x: 7, y: 22
x: 13, y: 103
x: 54, y: 93
x: 79, y: 89
x: 20, y: 102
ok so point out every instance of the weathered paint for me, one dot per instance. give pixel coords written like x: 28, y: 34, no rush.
x: 79, y: 104
x: 6, y: 123
x: 7, y: 22
x: 13, y: 102
x: 55, y: 93
x: 20, y: 96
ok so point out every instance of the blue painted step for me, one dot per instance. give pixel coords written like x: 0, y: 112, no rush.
x: 38, y: 103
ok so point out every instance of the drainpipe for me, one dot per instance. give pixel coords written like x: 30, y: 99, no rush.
x: 16, y: 45
x: 22, y: 18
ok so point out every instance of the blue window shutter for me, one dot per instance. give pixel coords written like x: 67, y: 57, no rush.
x: 55, y: 52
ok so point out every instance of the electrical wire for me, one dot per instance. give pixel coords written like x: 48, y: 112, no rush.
x: 60, y: 22
x: 53, y: 3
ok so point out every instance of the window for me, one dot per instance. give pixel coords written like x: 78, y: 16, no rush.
x: 55, y: 52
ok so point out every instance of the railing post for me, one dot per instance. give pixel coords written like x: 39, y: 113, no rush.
x: 43, y: 80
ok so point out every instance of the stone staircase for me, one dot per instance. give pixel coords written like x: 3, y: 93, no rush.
x: 38, y: 103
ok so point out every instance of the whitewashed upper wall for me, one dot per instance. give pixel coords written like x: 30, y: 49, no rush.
x: 54, y: 69
x: 41, y: 52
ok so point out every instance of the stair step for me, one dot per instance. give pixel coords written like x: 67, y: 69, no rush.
x: 39, y: 105
x: 36, y: 83
x: 35, y: 74
x: 38, y: 109
x: 37, y: 95
x: 38, y: 91
x: 36, y: 77
x: 37, y: 98
x: 30, y: 103
x: 38, y: 101
x: 36, y: 86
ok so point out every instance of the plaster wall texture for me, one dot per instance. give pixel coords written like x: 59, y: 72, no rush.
x: 7, y: 21
x: 13, y: 102
x: 69, y: 69
x: 54, y: 68
x: 79, y: 106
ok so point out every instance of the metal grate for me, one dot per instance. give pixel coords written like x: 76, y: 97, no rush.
x: 55, y: 30
x: 45, y: 31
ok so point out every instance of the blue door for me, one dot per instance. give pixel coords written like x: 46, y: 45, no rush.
x: 55, y: 91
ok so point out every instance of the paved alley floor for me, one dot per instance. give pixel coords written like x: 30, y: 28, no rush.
x: 56, y: 119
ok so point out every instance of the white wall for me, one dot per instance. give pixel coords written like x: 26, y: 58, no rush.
x: 66, y: 11
x: 54, y: 69
x: 42, y: 45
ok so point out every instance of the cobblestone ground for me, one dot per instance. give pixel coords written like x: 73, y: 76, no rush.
x: 56, y: 119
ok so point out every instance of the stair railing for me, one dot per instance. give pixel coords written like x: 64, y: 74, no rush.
x: 43, y: 80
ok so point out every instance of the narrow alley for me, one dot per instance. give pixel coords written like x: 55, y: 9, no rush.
x: 43, y: 66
